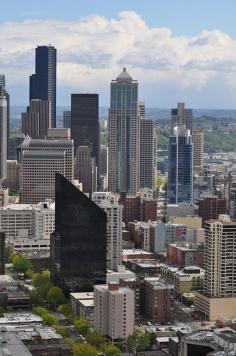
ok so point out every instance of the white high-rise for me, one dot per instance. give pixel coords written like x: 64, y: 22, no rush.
x: 123, y: 161
x: 113, y: 210
x: 114, y: 309
x: 3, y: 134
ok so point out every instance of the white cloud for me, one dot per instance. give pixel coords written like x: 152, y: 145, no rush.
x: 92, y: 50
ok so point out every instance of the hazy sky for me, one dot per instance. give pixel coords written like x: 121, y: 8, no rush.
x: 177, y: 49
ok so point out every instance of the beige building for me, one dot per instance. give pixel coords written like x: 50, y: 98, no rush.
x: 147, y: 153
x: 198, y: 147
x: 114, y: 311
x: 218, y: 297
x: 4, y: 196
x: 40, y: 160
x: 21, y: 221
x: 188, y: 279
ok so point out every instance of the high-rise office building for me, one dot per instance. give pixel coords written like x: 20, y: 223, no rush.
x: 123, y: 150
x: 4, y: 92
x: 198, y: 147
x: 147, y: 153
x: 85, y: 169
x: 218, y: 298
x: 67, y: 119
x: 85, y: 122
x: 141, y: 109
x: 180, y: 170
x: 181, y: 117
x: 37, y: 120
x: 232, y: 194
x: 40, y: 160
x: 107, y: 202
x: 114, y: 310
x: 78, y: 244
x: 2, y: 253
x: 43, y: 82
x: 3, y: 134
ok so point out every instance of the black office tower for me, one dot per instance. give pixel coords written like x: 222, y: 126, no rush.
x: 85, y: 122
x: 43, y: 82
x: 78, y: 244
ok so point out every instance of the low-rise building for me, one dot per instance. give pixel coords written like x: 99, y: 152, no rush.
x: 11, y: 345
x: 185, y: 254
x: 82, y: 304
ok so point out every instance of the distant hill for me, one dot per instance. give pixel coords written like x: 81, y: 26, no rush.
x: 154, y: 113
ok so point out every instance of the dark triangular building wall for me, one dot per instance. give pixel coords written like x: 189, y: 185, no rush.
x: 78, y: 244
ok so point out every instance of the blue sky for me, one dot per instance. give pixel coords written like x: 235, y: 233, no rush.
x: 177, y: 49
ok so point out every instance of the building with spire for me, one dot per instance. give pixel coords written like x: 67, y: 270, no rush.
x: 124, y: 135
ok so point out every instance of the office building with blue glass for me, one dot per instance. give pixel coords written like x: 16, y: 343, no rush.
x: 180, y: 167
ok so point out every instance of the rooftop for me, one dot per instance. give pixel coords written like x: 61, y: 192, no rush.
x: 82, y: 295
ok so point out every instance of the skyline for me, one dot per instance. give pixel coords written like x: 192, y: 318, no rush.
x: 172, y: 60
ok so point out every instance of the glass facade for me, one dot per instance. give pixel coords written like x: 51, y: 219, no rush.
x: 180, y: 170
x: 43, y: 82
x: 78, y: 244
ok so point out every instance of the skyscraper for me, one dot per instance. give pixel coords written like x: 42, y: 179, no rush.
x: 85, y: 122
x: 147, y: 153
x: 40, y: 160
x: 123, y: 162
x: 181, y: 117
x: 85, y: 169
x: 78, y: 244
x: 198, y: 147
x: 43, y: 82
x: 180, y: 170
x: 219, y: 295
x: 3, y: 134
x: 37, y: 120
x: 67, y: 119
x: 2, y: 253
x: 4, y: 92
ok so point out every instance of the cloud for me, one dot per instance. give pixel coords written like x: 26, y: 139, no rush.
x: 92, y: 50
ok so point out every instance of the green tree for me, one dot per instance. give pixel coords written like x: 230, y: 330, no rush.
x: 138, y: 341
x: 44, y: 288
x: 65, y: 309
x: 55, y: 296
x: 96, y: 339
x: 84, y: 350
x: 36, y: 299
x: 61, y: 330
x: 40, y: 311
x: 111, y: 350
x: 69, y: 341
x: 152, y: 338
x: 50, y: 319
x: 21, y: 263
x: 81, y: 325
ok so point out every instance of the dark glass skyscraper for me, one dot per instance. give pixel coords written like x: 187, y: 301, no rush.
x: 43, y: 82
x: 180, y: 171
x: 85, y: 122
x: 78, y: 244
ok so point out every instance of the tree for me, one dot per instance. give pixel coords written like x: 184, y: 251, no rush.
x: 50, y: 319
x: 61, y: 330
x: 55, y: 296
x: 81, y: 325
x: 96, y: 339
x: 152, y: 338
x: 40, y: 311
x: 69, y: 341
x: 65, y: 309
x: 21, y: 263
x: 138, y: 341
x: 111, y: 350
x: 84, y: 350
